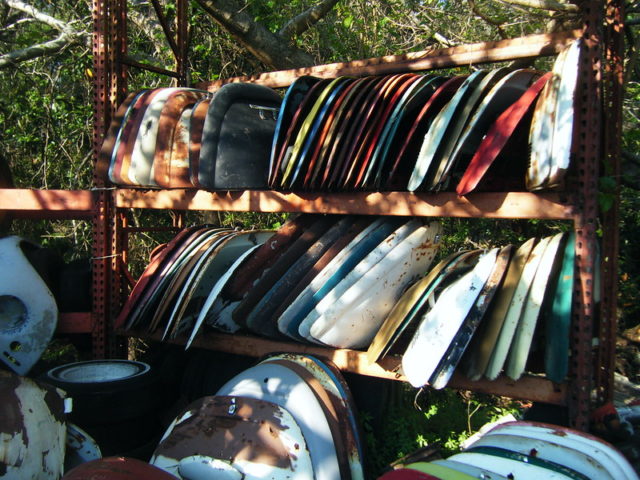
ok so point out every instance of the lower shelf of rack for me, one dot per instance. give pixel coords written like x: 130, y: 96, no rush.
x: 530, y: 387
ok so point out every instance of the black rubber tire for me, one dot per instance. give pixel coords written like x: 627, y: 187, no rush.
x: 124, y: 390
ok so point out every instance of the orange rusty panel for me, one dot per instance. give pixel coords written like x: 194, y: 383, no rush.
x: 76, y: 322
x: 487, y: 205
x: 51, y: 204
x: 476, y: 53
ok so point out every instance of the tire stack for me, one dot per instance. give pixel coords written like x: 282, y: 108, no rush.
x: 115, y: 401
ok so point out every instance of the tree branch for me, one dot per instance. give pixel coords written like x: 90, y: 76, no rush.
x: 269, y: 48
x: 489, y: 20
x: 38, y: 50
x: 68, y: 36
x: 307, y: 19
x: 41, y: 17
x: 551, y: 5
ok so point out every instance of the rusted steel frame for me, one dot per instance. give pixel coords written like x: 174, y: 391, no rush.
x: 613, y: 82
x: 145, y: 66
x: 490, y: 205
x: 182, y: 39
x: 528, y: 387
x: 49, y: 204
x: 486, y: 52
x: 101, y: 243
x: 166, y: 29
x: 109, y: 45
x: 587, y: 149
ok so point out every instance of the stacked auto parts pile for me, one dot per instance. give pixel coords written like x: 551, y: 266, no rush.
x: 368, y: 283
x: 526, y: 450
x: 427, y: 133
x: 396, y: 132
x: 182, y: 137
x: 289, y: 416
x: 344, y: 273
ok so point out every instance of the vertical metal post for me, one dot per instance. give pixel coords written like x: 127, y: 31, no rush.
x: 109, y: 86
x: 613, y: 82
x: 182, y: 42
x: 101, y: 230
x: 587, y: 149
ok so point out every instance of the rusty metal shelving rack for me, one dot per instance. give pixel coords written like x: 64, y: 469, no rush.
x: 596, y: 142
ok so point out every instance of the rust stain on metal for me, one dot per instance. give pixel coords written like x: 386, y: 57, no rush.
x: 249, y: 433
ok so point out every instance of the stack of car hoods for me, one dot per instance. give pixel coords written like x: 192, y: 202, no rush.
x: 367, y: 282
x: 395, y: 132
x: 182, y: 137
x: 288, y: 417
x: 427, y: 133
x: 330, y: 280
x: 526, y: 451
x: 478, y: 311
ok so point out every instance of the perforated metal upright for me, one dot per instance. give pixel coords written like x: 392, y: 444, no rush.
x: 109, y: 43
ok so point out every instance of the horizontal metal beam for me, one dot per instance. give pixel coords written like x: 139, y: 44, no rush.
x: 47, y: 204
x: 473, y: 54
x: 488, y: 205
x: 536, y: 389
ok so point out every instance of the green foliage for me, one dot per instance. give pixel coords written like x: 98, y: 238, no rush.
x: 418, y: 418
x: 629, y: 259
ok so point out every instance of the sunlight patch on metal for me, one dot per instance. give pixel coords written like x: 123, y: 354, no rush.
x: 234, y: 437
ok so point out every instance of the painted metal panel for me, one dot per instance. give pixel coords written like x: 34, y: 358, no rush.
x: 514, y: 312
x: 234, y: 437
x: 438, y: 327
x: 280, y: 385
x: 353, y: 320
x: 29, y: 311
x: 521, y: 343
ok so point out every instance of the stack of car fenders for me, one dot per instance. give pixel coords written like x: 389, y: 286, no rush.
x: 499, y: 130
x: 289, y: 416
x: 366, y: 282
x: 527, y: 451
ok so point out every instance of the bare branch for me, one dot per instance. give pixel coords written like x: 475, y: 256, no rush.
x: 551, y: 5
x: 40, y: 16
x: 38, y: 50
x: 269, y: 48
x: 486, y: 18
x: 307, y: 19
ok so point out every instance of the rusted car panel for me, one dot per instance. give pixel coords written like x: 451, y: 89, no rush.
x: 332, y: 389
x: 27, y: 308
x: 235, y: 437
x: 32, y: 430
